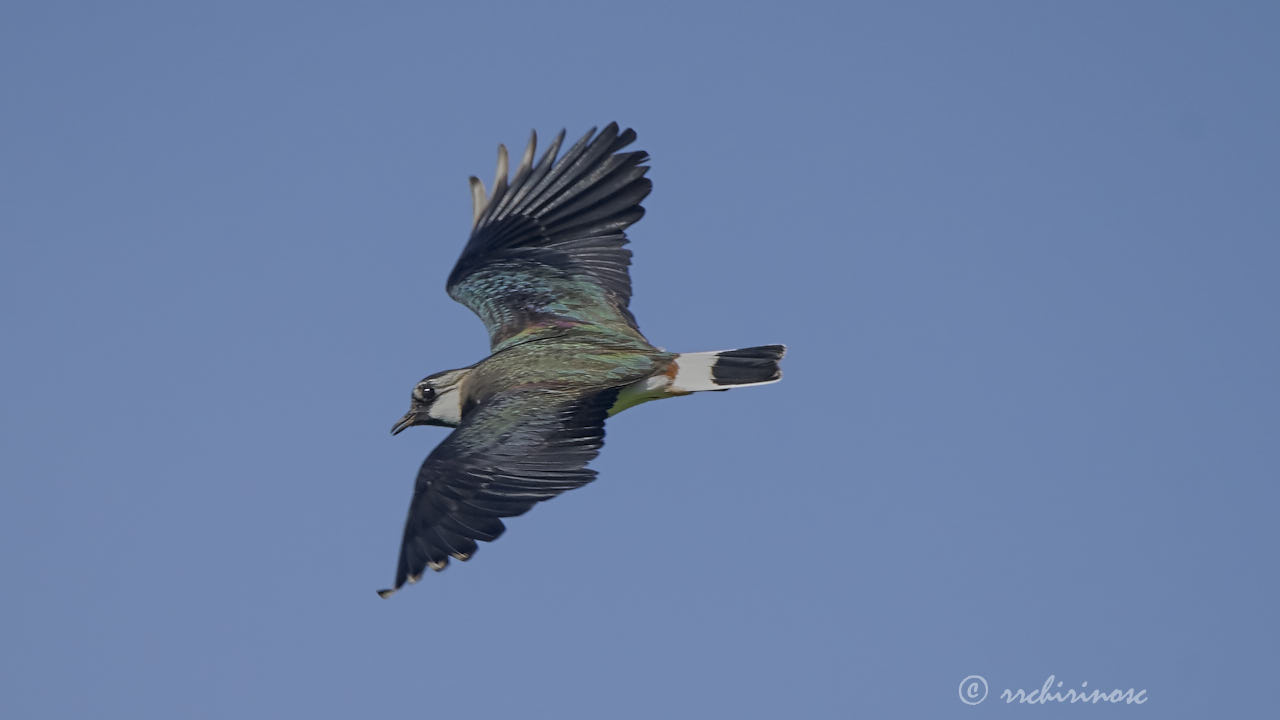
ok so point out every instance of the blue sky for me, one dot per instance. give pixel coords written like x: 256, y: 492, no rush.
x: 1024, y: 254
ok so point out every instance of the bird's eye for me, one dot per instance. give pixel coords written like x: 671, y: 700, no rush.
x: 426, y: 392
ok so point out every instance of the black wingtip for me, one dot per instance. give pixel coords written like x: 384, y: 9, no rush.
x: 388, y: 592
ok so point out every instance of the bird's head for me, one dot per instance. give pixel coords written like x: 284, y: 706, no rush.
x: 436, y: 400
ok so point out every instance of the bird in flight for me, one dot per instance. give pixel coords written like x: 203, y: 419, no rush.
x: 546, y: 270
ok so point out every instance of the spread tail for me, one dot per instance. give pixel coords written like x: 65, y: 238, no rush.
x: 724, y: 369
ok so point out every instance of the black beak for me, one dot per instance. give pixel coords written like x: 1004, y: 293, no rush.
x: 411, y: 418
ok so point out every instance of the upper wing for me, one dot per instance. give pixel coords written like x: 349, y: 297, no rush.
x: 511, y: 452
x: 546, y: 251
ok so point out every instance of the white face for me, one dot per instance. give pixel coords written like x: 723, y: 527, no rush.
x: 442, y: 394
x: 448, y: 406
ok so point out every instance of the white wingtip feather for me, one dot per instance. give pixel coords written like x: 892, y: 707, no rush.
x: 477, y: 199
x: 500, y: 175
x: 526, y: 162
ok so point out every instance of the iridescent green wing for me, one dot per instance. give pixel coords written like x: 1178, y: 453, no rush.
x: 546, y: 249
x: 513, y: 451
